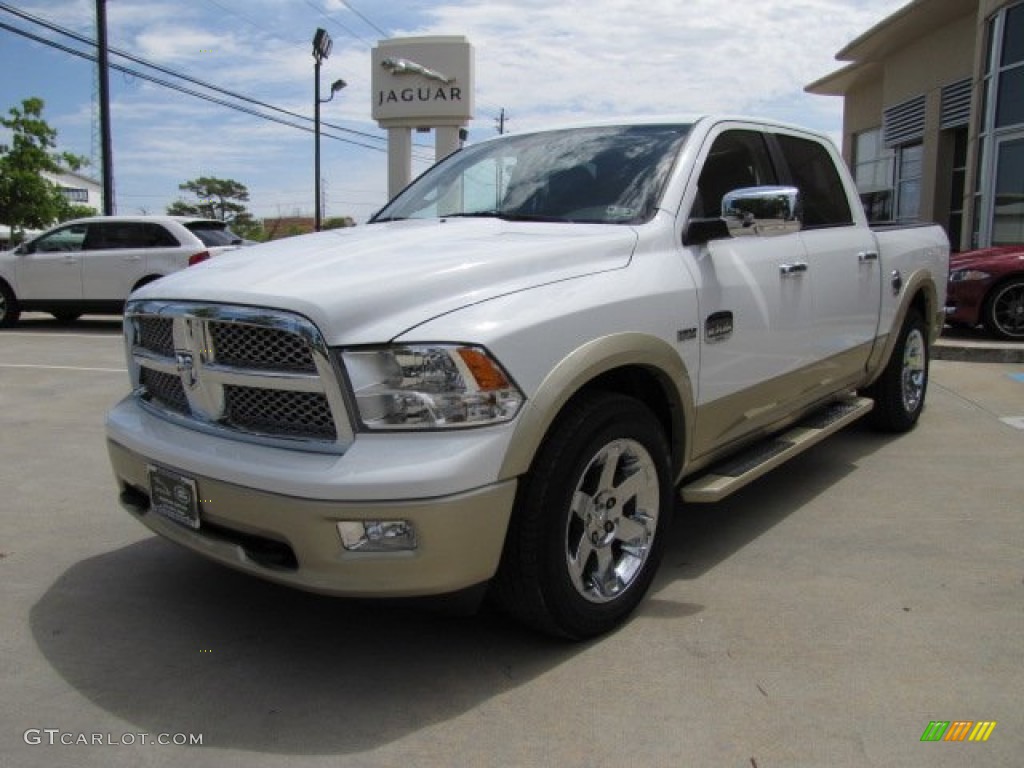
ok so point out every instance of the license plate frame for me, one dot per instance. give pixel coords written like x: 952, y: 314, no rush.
x: 174, y: 496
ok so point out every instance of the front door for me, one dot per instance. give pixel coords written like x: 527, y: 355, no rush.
x: 50, y: 267
x: 756, y: 303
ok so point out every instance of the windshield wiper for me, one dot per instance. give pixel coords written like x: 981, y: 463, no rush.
x: 504, y: 216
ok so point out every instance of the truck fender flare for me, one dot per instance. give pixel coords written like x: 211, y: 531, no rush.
x: 919, y: 283
x: 581, y: 367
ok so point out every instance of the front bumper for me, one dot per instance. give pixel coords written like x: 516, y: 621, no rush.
x: 965, y: 300
x: 295, y: 541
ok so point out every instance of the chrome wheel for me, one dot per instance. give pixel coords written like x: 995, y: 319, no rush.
x: 914, y: 370
x: 1006, y: 310
x: 611, y: 525
x: 590, y: 522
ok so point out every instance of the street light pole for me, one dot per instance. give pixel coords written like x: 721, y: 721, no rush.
x: 321, y: 50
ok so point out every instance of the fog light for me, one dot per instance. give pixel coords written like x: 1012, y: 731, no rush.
x: 377, y: 535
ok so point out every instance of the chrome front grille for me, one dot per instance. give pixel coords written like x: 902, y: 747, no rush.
x: 165, y: 389
x: 247, y: 346
x: 156, y: 334
x: 279, y: 413
x: 251, y: 373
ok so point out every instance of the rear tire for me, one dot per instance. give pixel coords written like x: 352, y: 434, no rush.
x: 590, y: 520
x: 1004, y: 310
x: 899, y: 392
x: 9, y: 309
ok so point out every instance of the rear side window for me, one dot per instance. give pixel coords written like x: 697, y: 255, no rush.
x: 213, y: 234
x: 814, y: 173
x: 128, y: 234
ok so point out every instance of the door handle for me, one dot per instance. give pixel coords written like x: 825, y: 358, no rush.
x: 793, y: 269
x: 865, y: 256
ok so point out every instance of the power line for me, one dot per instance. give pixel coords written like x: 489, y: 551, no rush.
x: 337, y: 23
x: 361, y: 16
x: 195, y: 81
x: 182, y: 89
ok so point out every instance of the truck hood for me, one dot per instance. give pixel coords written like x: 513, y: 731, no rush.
x: 369, y: 284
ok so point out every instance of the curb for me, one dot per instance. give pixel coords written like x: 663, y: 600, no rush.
x: 963, y: 351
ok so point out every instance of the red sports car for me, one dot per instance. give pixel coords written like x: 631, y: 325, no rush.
x: 987, y: 287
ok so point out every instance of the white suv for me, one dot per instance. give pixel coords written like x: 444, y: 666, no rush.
x: 91, y: 265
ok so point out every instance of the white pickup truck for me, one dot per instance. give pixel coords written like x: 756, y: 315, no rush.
x: 507, y: 378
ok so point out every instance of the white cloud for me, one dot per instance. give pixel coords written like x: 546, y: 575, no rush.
x: 543, y: 62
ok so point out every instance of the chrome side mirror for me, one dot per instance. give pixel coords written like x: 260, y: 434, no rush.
x: 762, y: 211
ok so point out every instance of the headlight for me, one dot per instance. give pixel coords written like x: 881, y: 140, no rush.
x: 965, y: 275
x: 429, y: 386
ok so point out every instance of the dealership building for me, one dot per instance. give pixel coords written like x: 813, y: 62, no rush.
x: 933, y: 118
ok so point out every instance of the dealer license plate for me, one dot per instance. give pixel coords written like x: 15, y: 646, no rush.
x: 174, y: 496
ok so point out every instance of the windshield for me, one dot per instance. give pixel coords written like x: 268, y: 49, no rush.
x: 604, y: 175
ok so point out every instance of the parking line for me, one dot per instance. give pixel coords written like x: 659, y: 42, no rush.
x: 63, y: 368
x: 44, y: 335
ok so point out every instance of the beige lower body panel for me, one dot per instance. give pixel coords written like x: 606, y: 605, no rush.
x: 722, y: 425
x: 459, y: 537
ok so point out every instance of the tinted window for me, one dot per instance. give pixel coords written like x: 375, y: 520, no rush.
x: 109, y: 235
x: 63, y: 239
x: 738, y: 159
x: 212, y: 233
x: 814, y: 173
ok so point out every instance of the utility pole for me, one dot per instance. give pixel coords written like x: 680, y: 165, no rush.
x: 104, y: 83
x: 500, y: 120
x: 322, y: 45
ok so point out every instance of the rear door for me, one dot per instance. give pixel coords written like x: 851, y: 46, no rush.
x: 117, y: 254
x: 842, y: 258
x: 50, y: 267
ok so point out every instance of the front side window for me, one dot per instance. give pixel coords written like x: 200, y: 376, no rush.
x: 603, y: 175
x: 736, y: 160
x: 63, y: 239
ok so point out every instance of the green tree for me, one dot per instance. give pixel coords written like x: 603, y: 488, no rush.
x: 27, y: 200
x: 218, y: 199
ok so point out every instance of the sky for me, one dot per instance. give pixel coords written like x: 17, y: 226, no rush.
x: 541, y: 62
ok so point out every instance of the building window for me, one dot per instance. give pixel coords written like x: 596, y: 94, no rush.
x: 958, y: 187
x: 1008, y: 213
x: 73, y: 195
x: 908, y: 182
x: 873, y: 172
x: 1002, y: 138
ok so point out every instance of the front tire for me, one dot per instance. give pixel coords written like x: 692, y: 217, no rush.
x: 1004, y: 310
x: 899, y: 392
x: 9, y: 309
x: 590, y: 521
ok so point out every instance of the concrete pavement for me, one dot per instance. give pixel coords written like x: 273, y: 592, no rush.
x: 823, y: 616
